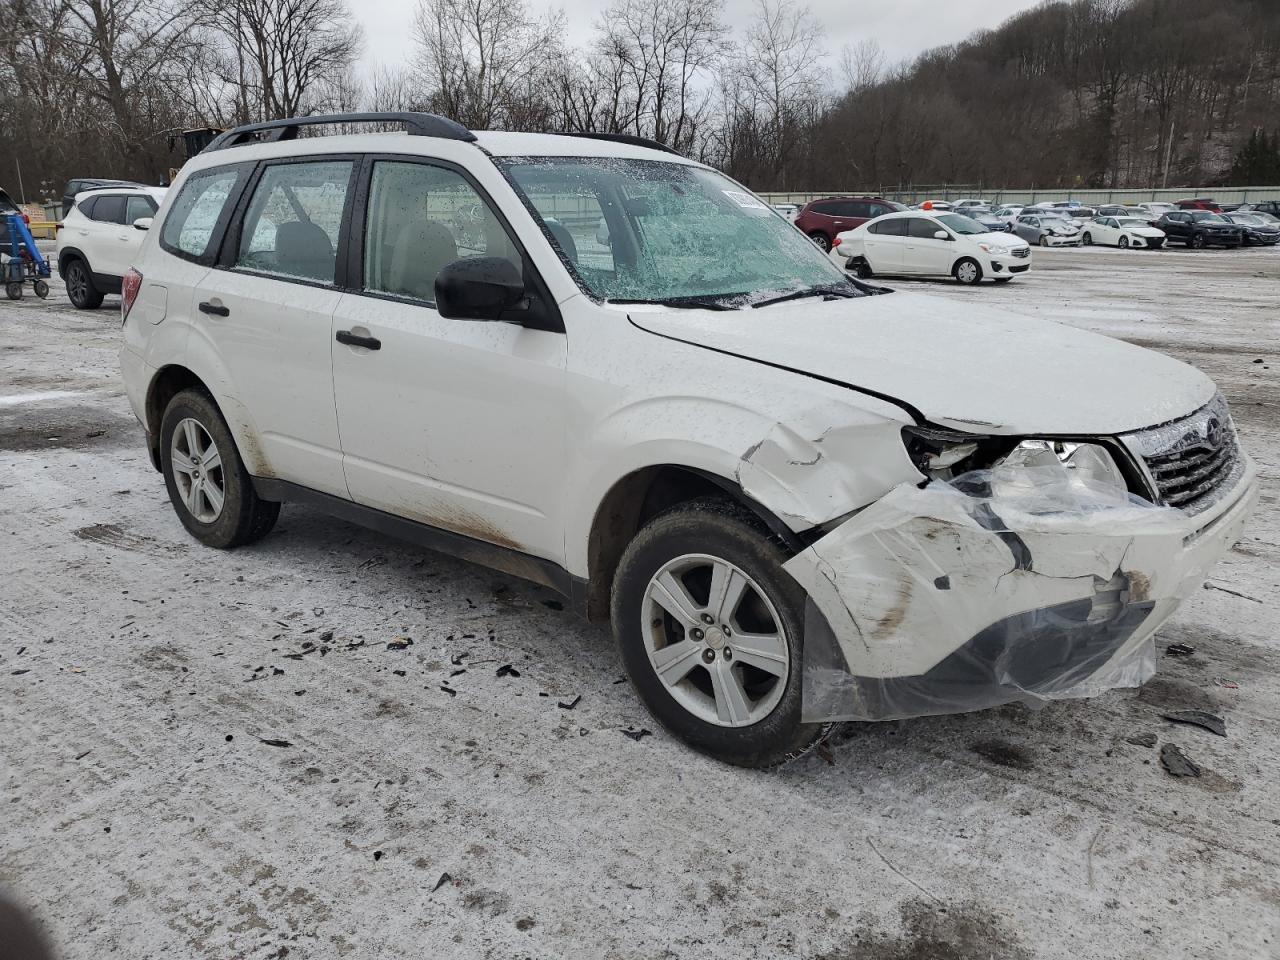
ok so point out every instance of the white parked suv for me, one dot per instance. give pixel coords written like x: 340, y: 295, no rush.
x: 799, y: 498
x: 925, y: 244
x: 99, y: 238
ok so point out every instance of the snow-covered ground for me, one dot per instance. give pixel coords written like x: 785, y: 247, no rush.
x: 143, y: 815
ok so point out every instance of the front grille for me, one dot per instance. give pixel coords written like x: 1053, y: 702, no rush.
x: 1191, y: 462
x: 1022, y: 251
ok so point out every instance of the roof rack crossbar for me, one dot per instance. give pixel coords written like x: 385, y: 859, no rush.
x: 415, y: 124
x: 625, y: 138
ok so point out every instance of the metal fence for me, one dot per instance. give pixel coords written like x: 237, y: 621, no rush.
x: 953, y: 191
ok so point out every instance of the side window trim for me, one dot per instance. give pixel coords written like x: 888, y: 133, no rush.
x: 229, y: 249
x: 210, y: 255
x: 354, y: 236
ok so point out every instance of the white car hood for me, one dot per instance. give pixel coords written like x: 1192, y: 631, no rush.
x: 971, y: 368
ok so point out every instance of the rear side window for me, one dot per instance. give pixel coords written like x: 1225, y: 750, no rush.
x: 292, y: 224
x: 189, y: 227
x: 108, y: 210
x: 423, y: 217
x: 897, y: 227
x: 828, y: 209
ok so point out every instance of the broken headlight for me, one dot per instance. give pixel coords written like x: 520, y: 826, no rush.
x: 946, y: 454
x: 1036, y: 462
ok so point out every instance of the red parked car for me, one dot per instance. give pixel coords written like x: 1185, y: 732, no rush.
x: 1200, y: 203
x: 823, y: 219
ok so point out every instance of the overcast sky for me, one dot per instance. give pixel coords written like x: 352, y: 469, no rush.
x: 903, y: 27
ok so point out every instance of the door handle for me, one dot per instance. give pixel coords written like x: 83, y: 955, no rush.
x: 216, y: 309
x: 355, y: 340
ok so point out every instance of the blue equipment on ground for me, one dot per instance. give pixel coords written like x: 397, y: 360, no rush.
x: 22, y: 260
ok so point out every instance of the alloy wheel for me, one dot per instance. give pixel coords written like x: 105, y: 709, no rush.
x: 197, y: 470
x: 715, y: 640
x: 77, y: 283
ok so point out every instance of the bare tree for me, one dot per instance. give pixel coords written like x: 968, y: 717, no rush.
x: 283, y: 48
x: 661, y: 51
x: 483, y: 58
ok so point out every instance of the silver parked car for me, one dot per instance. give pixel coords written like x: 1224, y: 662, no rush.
x: 1046, y: 230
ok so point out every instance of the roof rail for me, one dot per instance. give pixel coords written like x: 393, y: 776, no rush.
x: 415, y: 124
x: 625, y: 138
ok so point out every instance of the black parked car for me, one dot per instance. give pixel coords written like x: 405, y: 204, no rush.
x: 88, y: 183
x: 1200, y: 228
x: 1257, y: 232
x: 993, y: 223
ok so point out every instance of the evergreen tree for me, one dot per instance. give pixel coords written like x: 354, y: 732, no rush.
x: 1258, y: 162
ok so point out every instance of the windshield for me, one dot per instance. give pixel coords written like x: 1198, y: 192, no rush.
x: 960, y: 224
x: 1203, y: 215
x: 1131, y: 222
x: 651, y: 231
x: 1246, y: 218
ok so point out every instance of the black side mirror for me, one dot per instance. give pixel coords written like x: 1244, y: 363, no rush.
x: 480, y: 288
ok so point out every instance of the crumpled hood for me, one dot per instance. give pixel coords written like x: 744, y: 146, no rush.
x: 969, y: 367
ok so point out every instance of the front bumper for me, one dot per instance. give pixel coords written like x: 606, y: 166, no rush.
x: 1058, y: 241
x: 1146, y: 243
x: 930, y: 601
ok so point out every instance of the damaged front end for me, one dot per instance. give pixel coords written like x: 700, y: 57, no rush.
x: 1039, y: 578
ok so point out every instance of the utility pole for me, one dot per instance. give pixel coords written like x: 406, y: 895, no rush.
x: 21, y: 189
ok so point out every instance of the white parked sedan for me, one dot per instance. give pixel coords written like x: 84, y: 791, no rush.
x: 1124, y: 232
x: 914, y: 243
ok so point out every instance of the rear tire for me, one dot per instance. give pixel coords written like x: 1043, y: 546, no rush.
x: 13, y: 291
x: 822, y: 240
x: 862, y: 270
x: 209, y: 488
x: 80, y: 289
x: 711, y: 694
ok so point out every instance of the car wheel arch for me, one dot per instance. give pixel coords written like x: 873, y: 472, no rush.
x: 68, y: 254
x: 639, y: 496
x: 170, y: 380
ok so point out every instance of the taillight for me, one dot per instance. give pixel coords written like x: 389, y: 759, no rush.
x: 129, y: 287
x: 835, y: 242
x: 26, y: 219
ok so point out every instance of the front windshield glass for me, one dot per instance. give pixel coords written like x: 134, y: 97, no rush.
x: 1131, y: 222
x: 1206, y: 215
x: 1246, y: 218
x: 652, y: 231
x: 960, y: 224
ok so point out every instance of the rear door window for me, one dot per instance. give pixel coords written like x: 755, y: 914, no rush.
x: 292, y: 223
x: 190, y: 224
x: 109, y: 209
x: 897, y: 227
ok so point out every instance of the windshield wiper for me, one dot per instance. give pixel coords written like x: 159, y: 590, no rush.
x: 686, y: 303
x: 831, y: 293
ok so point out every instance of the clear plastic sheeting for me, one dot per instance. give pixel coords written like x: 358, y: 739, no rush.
x: 1024, y: 583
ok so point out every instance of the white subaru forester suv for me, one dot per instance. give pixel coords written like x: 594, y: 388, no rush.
x: 799, y: 497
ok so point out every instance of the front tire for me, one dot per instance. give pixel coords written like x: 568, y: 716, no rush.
x: 1088, y: 239
x: 80, y: 289
x: 1197, y: 242
x: 709, y: 627
x: 1124, y: 243
x: 208, y: 485
x: 822, y: 240
x: 967, y: 271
